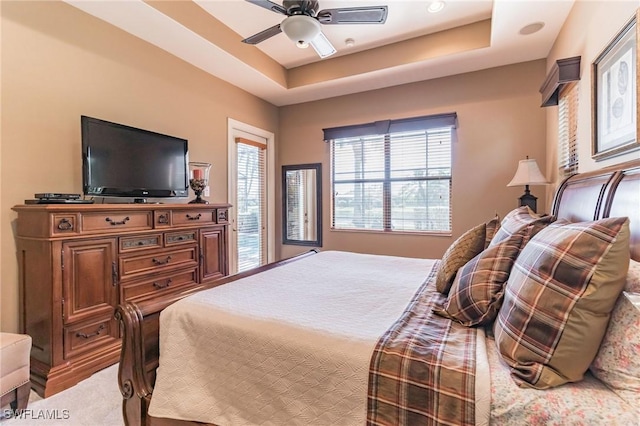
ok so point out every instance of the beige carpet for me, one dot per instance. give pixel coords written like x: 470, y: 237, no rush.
x: 95, y: 401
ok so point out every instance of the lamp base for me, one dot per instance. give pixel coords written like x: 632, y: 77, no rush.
x: 529, y: 200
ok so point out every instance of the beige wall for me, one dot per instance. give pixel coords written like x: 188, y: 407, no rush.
x: 500, y: 122
x: 585, y: 33
x: 59, y: 63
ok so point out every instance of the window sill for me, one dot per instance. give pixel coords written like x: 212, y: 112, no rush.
x: 376, y: 231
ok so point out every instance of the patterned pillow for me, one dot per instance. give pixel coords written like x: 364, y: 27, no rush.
x: 465, y: 248
x: 633, y: 277
x: 618, y: 362
x: 518, y: 219
x: 492, y: 227
x: 557, y: 301
x: 476, y: 293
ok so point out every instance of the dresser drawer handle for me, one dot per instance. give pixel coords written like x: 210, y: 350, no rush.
x: 65, y: 225
x: 163, y: 218
x: 161, y: 262
x: 161, y: 286
x: 196, y: 217
x: 96, y: 333
x: 114, y: 223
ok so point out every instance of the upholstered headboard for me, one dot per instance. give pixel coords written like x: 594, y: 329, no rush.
x: 609, y: 192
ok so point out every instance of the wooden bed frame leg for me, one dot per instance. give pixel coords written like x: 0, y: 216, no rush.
x: 133, y: 383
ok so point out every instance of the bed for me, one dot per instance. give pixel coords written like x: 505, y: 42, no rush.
x: 320, y: 339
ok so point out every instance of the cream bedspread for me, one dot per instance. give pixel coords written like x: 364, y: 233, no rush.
x: 291, y: 345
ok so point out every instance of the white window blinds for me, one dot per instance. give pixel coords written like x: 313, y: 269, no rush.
x: 251, y: 208
x: 568, y: 130
x: 398, y: 181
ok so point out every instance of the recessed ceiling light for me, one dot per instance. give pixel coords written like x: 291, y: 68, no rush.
x: 531, y: 28
x: 435, y: 6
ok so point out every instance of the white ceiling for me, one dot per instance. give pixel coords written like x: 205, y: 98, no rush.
x: 407, y: 19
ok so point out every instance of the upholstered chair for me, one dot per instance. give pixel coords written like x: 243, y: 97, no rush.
x: 14, y: 370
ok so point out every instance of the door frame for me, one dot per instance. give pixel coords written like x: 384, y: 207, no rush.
x: 233, y: 128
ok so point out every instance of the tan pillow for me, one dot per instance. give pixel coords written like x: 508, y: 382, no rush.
x: 476, y: 293
x: 518, y: 219
x: 558, y: 299
x: 465, y: 248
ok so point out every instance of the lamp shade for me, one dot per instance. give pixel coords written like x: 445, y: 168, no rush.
x: 528, y: 173
x: 301, y: 29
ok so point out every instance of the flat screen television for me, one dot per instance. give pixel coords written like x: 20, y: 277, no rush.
x: 123, y: 161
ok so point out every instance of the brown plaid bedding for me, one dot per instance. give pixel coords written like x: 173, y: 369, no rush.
x: 422, y: 370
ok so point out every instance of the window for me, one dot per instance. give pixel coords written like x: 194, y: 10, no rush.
x: 396, y: 181
x: 568, y: 130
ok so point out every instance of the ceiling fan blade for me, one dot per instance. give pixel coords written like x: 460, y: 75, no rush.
x: 353, y: 15
x: 269, y: 5
x: 322, y: 46
x: 263, y: 35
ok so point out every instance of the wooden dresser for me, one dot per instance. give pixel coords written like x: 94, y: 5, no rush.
x: 77, y: 262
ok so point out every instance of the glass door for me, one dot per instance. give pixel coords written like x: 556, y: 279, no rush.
x: 251, y: 166
x: 250, y: 205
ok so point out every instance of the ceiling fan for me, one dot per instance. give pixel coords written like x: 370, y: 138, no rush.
x: 303, y: 20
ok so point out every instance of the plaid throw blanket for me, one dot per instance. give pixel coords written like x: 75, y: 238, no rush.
x: 422, y: 370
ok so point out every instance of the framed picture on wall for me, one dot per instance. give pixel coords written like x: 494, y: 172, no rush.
x: 615, y: 95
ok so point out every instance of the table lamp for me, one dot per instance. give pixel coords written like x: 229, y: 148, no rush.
x: 527, y: 174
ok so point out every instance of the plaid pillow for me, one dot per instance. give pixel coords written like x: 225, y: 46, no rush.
x: 460, y: 252
x: 476, y: 293
x: 558, y: 299
x: 492, y: 227
x: 518, y: 219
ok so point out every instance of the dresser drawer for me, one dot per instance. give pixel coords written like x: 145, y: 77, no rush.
x: 178, y: 238
x: 117, y: 221
x: 133, y: 266
x: 64, y: 224
x: 89, y: 335
x: 159, y: 285
x: 193, y: 217
x: 140, y: 242
x: 162, y: 218
x: 223, y: 216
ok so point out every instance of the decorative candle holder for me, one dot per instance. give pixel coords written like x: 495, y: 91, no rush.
x: 198, y: 180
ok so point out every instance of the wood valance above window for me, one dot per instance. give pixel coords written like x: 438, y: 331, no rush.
x: 392, y: 126
x: 562, y: 72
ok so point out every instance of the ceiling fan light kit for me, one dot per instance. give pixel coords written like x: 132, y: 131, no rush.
x: 301, y: 29
x: 302, y: 24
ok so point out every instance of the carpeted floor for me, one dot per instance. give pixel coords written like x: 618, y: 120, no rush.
x: 95, y: 401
